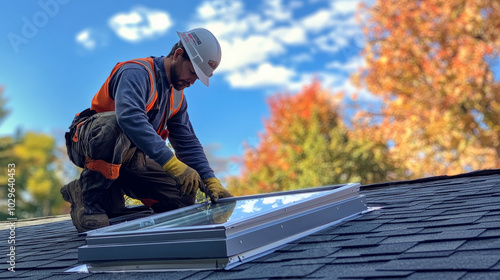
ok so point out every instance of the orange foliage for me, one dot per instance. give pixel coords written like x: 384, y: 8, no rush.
x: 428, y: 60
x: 305, y: 143
x: 290, y: 117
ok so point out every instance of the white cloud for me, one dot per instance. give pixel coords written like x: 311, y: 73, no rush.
x: 255, y: 39
x: 274, y: 9
x: 290, y: 35
x: 140, y: 23
x: 265, y: 75
x: 91, y: 38
x: 217, y: 9
x: 340, y: 15
x: 84, y: 38
x: 342, y: 34
x: 249, y: 206
x: 222, y: 30
x: 243, y: 52
x: 228, y: 19
x: 317, y: 21
x: 345, y: 6
x: 207, y: 11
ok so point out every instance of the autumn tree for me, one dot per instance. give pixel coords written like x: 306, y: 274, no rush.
x: 306, y: 143
x: 430, y: 62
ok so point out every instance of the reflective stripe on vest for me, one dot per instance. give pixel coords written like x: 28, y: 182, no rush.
x: 176, y: 98
x: 175, y: 102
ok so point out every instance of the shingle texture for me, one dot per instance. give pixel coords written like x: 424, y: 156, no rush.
x: 434, y: 228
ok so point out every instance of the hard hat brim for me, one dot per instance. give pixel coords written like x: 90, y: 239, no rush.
x: 201, y: 76
x: 188, y: 46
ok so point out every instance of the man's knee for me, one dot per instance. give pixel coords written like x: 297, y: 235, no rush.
x: 103, y: 143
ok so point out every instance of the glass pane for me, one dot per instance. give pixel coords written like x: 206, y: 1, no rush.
x: 227, y: 211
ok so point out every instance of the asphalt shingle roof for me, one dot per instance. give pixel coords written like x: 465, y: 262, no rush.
x: 433, y: 228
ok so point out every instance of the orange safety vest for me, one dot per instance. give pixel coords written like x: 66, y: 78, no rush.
x: 102, y: 102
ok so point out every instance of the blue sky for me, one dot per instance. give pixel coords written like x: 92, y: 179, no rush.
x: 55, y: 55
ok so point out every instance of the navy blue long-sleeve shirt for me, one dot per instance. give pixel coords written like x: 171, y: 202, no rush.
x: 130, y: 88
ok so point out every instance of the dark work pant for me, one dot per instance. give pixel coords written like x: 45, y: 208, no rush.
x: 112, y: 165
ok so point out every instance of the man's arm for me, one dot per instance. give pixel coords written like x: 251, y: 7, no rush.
x: 189, y: 150
x: 185, y: 143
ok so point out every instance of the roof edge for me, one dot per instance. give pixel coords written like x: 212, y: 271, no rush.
x: 476, y: 173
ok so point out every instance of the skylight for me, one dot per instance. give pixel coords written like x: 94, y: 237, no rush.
x: 219, y: 236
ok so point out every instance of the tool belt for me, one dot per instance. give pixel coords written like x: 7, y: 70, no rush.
x: 72, y: 135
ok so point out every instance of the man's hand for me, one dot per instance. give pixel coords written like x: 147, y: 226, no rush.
x: 215, y: 190
x: 185, y: 176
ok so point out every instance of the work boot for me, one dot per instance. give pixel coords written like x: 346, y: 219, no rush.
x: 72, y: 193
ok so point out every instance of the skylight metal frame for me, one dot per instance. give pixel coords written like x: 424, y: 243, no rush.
x: 218, y: 246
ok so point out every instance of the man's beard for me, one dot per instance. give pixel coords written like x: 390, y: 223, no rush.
x: 174, y: 76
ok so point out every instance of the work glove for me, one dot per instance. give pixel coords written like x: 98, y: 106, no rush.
x: 186, y: 177
x: 214, y: 189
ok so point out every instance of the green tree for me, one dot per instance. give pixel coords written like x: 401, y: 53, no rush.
x: 6, y: 142
x: 305, y: 144
x: 37, y: 171
x: 6, y: 155
x: 4, y: 111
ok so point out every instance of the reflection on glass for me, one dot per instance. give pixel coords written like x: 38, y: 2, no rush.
x: 222, y: 212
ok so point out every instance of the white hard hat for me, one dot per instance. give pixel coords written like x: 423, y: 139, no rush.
x: 204, y: 51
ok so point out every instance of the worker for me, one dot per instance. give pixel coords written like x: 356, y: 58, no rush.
x: 120, y: 141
